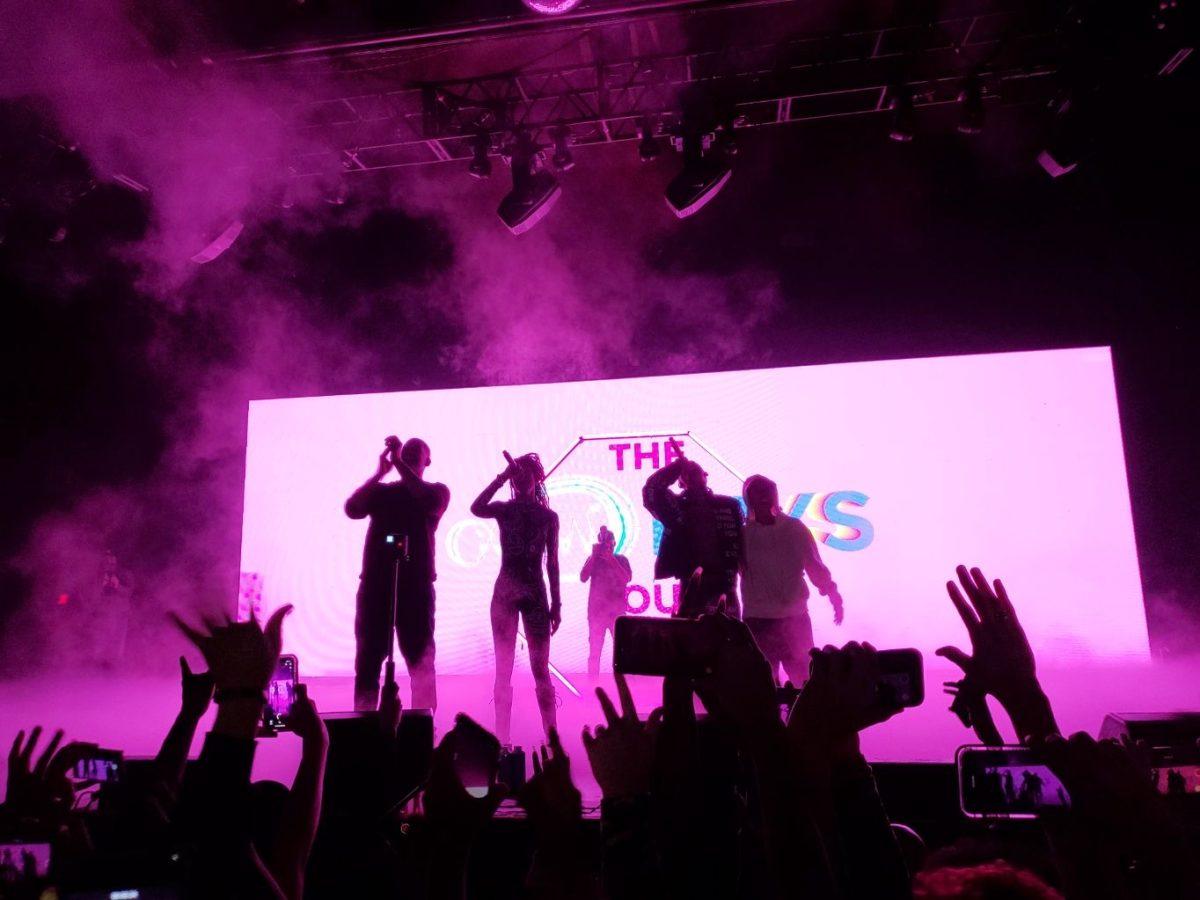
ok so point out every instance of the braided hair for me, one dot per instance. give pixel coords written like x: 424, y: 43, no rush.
x: 531, y: 463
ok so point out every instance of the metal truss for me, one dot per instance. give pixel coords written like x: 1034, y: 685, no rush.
x: 616, y: 78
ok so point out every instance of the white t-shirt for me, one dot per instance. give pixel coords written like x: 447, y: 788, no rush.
x: 777, y: 557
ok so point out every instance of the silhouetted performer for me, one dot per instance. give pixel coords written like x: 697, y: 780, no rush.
x: 1176, y: 783
x: 528, y: 534
x: 1030, y: 792
x: 700, y: 528
x: 609, y: 573
x: 407, y: 510
x: 779, y: 552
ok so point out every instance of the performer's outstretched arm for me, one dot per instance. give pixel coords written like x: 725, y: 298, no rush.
x: 818, y: 573
x: 552, y: 572
x: 483, y: 507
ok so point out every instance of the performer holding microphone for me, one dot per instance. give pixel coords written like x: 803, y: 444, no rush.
x: 528, y: 534
x: 396, y: 584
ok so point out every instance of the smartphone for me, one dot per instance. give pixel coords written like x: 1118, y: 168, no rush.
x: 23, y: 864
x: 1007, y: 783
x: 100, y: 766
x: 476, y: 755
x: 281, y: 693
x: 650, y: 646
x: 1177, y: 780
x: 902, y: 678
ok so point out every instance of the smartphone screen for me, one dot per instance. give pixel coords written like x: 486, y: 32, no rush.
x: 281, y: 692
x: 1007, y: 783
x: 23, y: 863
x: 100, y: 766
x: 1178, y: 779
x: 650, y: 646
x: 476, y: 756
x: 902, y: 681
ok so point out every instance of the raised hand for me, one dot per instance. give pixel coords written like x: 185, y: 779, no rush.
x: 197, y: 689
x: 240, y: 655
x: 553, y: 802
x: 1001, y: 662
x: 385, y: 463
x: 41, y: 790
x: 841, y: 696
x: 453, y: 814
x: 621, y: 752
x: 390, y: 707
x: 740, y: 685
x: 304, y: 719
x: 1116, y: 817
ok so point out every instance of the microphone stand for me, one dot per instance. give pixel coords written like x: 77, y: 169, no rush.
x: 401, y: 555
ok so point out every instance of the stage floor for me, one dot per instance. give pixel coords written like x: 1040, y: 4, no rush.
x: 134, y: 714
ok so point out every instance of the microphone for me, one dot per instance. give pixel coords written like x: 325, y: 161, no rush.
x: 512, y: 463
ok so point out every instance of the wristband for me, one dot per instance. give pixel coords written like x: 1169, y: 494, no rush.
x: 239, y: 693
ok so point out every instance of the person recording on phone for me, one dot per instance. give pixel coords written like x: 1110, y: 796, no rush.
x: 528, y: 534
x: 700, y: 530
x: 609, y: 573
x: 404, y: 517
x: 779, y: 552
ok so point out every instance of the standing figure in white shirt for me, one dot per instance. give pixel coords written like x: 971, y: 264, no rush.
x: 779, y: 552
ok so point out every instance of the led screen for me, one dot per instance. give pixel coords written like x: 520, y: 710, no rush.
x: 902, y: 469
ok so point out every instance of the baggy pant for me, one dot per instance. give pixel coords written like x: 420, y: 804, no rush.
x: 414, y: 630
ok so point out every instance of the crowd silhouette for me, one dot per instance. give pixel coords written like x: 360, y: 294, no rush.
x: 737, y: 800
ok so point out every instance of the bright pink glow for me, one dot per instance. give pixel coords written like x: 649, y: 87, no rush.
x: 1012, y: 461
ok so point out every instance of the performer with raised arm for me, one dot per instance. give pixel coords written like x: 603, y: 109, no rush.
x: 609, y: 573
x: 779, y: 552
x: 700, y: 530
x: 398, y: 556
x: 528, y: 534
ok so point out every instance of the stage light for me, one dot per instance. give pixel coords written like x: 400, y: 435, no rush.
x: 903, y: 115
x: 703, y: 175
x: 551, y: 7
x: 970, y: 102
x: 481, y: 165
x: 534, y: 190
x: 1063, y: 149
x: 562, y: 159
x: 649, y: 147
x: 218, y: 245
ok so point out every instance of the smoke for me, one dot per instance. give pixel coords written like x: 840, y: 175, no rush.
x: 414, y: 283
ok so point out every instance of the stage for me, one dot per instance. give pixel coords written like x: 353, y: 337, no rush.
x: 133, y: 714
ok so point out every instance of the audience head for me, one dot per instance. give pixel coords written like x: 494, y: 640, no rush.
x: 996, y: 880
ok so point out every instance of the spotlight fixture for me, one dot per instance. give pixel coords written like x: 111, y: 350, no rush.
x: 703, y: 175
x: 970, y: 102
x: 649, y: 147
x: 551, y: 7
x: 562, y: 159
x: 903, y: 115
x: 219, y: 244
x: 481, y: 145
x: 1064, y: 148
x: 534, y: 190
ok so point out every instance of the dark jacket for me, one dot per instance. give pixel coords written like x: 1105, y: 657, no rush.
x: 702, y: 529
